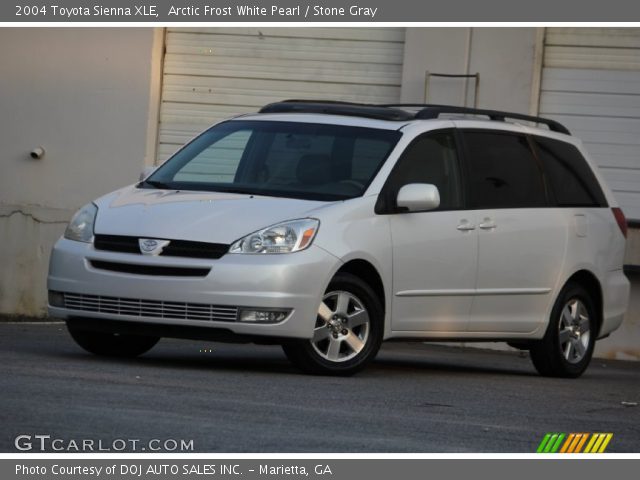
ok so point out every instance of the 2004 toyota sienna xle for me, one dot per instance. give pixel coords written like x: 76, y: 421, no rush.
x: 329, y: 227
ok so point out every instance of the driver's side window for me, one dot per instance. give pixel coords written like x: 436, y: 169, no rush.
x: 432, y: 159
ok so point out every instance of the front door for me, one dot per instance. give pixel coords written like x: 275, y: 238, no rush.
x: 434, y: 252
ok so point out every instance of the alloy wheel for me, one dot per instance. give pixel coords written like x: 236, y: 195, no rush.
x: 574, y: 331
x: 342, y: 327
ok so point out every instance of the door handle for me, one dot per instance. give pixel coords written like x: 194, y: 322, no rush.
x: 487, y: 224
x: 465, y: 226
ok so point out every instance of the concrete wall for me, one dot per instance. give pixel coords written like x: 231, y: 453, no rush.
x: 624, y: 343
x: 632, y: 256
x: 505, y: 58
x: 86, y: 97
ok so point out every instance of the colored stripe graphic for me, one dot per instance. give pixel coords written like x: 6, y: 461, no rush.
x: 556, y: 445
x: 598, y: 442
x: 543, y: 443
x: 581, y: 443
x: 570, y: 438
x: 574, y: 443
x: 550, y: 443
x: 605, y: 443
x: 590, y: 444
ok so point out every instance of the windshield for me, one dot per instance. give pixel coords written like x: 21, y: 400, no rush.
x: 283, y: 159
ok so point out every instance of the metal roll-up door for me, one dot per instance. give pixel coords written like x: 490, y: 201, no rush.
x: 591, y: 83
x: 213, y: 73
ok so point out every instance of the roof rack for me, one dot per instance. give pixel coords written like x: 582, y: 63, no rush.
x: 397, y: 112
x: 428, y: 111
x: 378, y: 112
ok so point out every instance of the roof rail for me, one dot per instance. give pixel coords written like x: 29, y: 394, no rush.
x: 339, y: 108
x: 434, y: 111
x: 397, y: 112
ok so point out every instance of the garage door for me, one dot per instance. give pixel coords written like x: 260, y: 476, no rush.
x: 591, y: 83
x: 214, y: 73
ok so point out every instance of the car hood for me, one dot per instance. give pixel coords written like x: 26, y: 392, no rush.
x: 198, y: 216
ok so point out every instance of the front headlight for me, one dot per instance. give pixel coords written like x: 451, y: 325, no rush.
x: 286, y: 237
x: 80, y: 227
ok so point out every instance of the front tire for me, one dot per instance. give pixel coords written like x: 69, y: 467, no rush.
x: 567, y: 347
x: 348, y: 330
x: 111, y: 344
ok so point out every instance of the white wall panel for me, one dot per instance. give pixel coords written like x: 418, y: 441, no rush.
x: 591, y: 83
x: 213, y: 73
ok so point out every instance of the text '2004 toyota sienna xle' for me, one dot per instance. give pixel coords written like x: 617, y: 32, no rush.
x: 329, y: 227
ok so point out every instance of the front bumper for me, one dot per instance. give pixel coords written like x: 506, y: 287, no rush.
x: 294, y: 282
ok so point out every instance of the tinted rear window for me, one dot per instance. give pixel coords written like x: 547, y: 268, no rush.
x: 570, y: 177
x: 503, y: 171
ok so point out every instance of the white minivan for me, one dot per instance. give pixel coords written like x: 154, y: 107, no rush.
x: 328, y: 227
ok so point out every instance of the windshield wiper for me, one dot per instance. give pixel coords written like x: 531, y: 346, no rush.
x: 241, y: 191
x: 157, y: 184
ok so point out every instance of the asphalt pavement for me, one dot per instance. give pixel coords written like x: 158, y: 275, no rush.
x: 248, y: 398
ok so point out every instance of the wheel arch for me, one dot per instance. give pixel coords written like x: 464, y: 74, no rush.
x: 590, y: 282
x: 366, y: 272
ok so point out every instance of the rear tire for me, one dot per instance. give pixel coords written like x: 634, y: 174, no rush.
x: 348, y: 331
x: 111, y: 344
x: 567, y: 347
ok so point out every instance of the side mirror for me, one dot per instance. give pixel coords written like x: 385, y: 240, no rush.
x: 418, y: 197
x: 146, y: 172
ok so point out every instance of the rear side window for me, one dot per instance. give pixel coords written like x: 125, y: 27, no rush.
x: 570, y: 177
x: 503, y: 173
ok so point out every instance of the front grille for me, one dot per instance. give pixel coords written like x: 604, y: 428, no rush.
x: 149, y: 308
x: 177, y: 248
x: 151, y: 269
